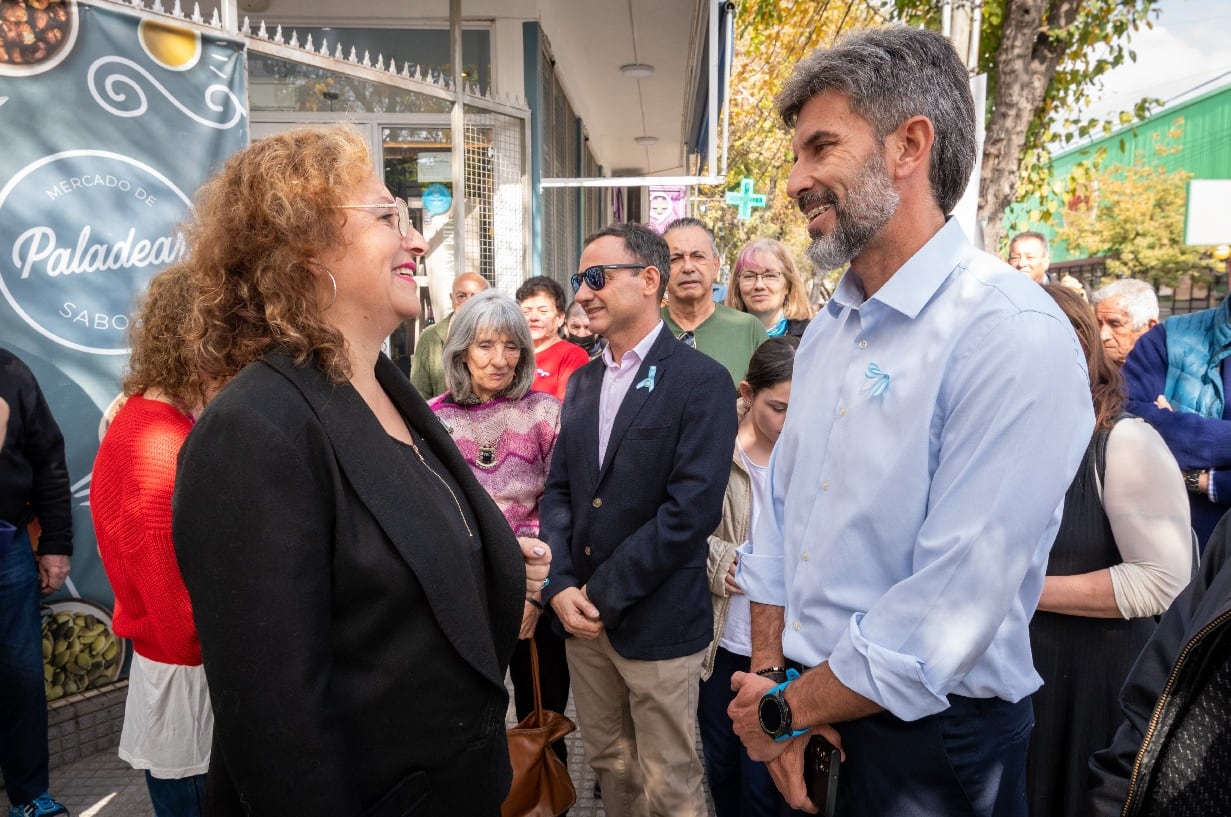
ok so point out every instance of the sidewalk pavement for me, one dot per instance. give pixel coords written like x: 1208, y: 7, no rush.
x: 102, y: 785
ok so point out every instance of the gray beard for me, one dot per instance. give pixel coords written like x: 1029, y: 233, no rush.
x: 870, y: 203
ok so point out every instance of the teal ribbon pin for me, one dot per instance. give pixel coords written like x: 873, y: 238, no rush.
x: 880, y: 380
x: 648, y: 383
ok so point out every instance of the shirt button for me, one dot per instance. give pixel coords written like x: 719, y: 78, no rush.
x: 825, y: 485
x: 863, y: 344
x: 795, y: 626
x: 587, y: 550
x: 805, y: 556
x: 598, y: 503
x: 842, y: 412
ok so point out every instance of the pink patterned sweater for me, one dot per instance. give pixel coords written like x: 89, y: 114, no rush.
x: 508, y: 445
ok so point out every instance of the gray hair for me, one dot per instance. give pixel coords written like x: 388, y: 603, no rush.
x: 689, y: 221
x: 489, y: 313
x: 1139, y: 299
x: 891, y: 74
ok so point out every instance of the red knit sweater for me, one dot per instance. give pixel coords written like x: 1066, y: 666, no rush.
x: 130, y: 500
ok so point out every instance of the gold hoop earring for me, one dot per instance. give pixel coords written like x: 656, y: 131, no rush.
x: 334, y: 282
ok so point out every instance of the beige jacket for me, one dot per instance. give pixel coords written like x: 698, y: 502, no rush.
x: 730, y: 534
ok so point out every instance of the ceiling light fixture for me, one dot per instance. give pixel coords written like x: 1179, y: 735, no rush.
x: 637, y: 70
x: 646, y: 140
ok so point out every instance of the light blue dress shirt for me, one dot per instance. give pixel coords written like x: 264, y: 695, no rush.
x: 918, y: 483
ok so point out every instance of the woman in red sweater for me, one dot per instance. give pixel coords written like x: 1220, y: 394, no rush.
x: 168, y: 722
x: 555, y: 359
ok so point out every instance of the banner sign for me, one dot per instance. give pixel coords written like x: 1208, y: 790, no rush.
x: 134, y: 111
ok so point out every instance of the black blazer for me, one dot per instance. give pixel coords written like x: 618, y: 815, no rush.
x: 634, y: 530
x: 355, y: 663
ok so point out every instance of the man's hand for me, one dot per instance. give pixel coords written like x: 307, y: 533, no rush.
x: 749, y: 689
x: 577, y: 614
x: 787, y: 770
x: 52, y: 571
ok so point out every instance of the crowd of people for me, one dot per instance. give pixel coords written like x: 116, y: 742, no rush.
x: 942, y: 531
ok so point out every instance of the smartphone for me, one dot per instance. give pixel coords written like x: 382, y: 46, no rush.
x: 821, y: 760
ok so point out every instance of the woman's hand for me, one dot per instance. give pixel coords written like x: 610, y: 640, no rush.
x: 529, y: 619
x: 729, y: 582
x: 538, y: 561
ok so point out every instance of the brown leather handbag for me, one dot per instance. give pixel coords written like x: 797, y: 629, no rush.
x: 541, y: 783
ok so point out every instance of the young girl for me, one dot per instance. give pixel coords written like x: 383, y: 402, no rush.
x: 741, y: 787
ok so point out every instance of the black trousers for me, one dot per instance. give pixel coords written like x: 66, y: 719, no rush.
x: 553, y: 675
x: 968, y: 761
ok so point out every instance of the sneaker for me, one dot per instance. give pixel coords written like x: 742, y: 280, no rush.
x: 41, y: 806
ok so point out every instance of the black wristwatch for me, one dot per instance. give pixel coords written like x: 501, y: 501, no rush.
x: 1192, y: 481
x: 774, y: 713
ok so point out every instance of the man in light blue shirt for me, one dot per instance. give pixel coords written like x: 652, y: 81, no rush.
x: 915, y: 497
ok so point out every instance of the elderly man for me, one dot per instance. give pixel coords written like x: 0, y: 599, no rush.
x: 893, y: 565
x: 1178, y: 378
x: 427, y: 373
x: 635, y: 488
x: 727, y: 335
x: 1028, y: 253
x: 1126, y: 310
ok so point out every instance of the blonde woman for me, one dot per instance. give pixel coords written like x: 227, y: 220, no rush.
x: 766, y: 285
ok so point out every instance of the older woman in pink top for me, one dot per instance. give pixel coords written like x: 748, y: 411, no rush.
x: 506, y: 432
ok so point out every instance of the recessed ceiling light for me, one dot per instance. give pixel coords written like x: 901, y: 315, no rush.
x: 646, y: 140
x: 638, y: 70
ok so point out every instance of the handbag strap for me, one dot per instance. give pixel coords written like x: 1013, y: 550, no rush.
x: 534, y: 674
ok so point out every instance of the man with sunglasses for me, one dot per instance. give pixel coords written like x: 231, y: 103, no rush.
x: 636, y: 486
x: 727, y: 335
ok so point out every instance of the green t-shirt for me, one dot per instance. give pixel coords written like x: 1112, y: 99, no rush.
x: 427, y: 371
x: 728, y: 336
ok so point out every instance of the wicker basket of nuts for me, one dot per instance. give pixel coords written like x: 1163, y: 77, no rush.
x: 35, y: 35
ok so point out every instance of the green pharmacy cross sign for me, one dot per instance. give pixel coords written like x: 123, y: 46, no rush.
x: 745, y: 199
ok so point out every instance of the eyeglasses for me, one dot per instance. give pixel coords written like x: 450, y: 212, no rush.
x: 596, y: 276
x: 402, y: 207
x: 687, y: 338
x: 1027, y: 257
x: 769, y: 276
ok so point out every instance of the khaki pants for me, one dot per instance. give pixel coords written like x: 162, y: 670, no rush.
x: 638, y: 723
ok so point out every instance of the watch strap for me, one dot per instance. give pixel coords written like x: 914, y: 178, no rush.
x: 777, y: 692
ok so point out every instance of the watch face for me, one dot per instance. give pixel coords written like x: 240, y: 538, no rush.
x: 770, y: 713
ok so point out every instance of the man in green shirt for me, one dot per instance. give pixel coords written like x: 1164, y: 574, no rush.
x: 427, y: 372
x: 727, y: 335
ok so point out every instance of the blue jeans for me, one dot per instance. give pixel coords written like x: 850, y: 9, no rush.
x: 181, y: 797
x: 740, y: 786
x: 23, y: 699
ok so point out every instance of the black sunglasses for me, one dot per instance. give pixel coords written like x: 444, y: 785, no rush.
x: 596, y: 276
x: 687, y: 338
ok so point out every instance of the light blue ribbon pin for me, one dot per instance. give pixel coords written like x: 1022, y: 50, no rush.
x: 648, y: 383
x: 880, y: 380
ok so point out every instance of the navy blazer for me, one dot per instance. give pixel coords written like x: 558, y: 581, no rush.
x: 355, y: 664
x: 634, y: 529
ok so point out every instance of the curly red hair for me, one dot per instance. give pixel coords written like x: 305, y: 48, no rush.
x: 258, y: 224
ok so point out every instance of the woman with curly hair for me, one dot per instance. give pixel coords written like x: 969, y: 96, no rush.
x: 357, y: 593
x: 765, y: 284
x: 168, y: 724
